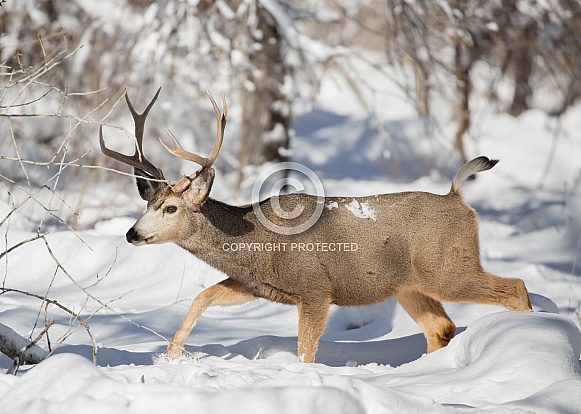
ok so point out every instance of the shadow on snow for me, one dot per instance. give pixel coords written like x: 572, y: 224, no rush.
x: 393, y: 352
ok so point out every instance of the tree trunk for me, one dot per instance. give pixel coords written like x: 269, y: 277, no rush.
x: 266, y: 110
x: 463, y: 87
x: 522, y: 63
x: 421, y: 71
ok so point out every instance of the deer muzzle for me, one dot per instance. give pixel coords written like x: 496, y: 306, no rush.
x: 132, y: 236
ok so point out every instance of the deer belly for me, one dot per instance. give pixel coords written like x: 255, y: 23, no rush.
x: 363, y: 288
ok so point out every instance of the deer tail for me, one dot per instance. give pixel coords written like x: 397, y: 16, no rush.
x: 470, y: 168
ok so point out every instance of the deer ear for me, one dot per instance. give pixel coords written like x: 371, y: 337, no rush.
x: 200, y: 187
x: 145, y: 187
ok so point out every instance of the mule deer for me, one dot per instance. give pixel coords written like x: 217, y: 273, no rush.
x: 421, y: 248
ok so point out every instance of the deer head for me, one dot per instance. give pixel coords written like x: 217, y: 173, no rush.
x: 172, y: 210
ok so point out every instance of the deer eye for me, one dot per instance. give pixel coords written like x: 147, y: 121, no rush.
x: 170, y: 209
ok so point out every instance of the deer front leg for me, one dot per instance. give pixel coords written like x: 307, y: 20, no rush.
x: 312, y: 321
x: 227, y: 292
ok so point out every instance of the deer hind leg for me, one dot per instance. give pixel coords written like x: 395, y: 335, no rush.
x: 312, y: 321
x: 227, y: 292
x: 487, y: 288
x: 430, y: 315
x: 510, y: 292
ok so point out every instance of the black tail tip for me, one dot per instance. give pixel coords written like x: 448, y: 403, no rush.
x: 486, y: 163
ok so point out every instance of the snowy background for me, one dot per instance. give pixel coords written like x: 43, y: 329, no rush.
x: 243, y: 359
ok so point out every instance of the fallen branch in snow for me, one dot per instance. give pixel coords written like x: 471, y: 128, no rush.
x: 64, y: 308
x: 21, y: 350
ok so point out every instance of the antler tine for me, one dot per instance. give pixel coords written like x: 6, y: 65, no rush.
x: 139, y: 120
x: 138, y: 160
x: 178, y: 151
x: 220, y: 126
x: 133, y: 161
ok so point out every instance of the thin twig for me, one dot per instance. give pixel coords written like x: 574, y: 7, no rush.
x: 29, y: 102
x: 38, y: 337
x: 23, y: 242
x: 551, y: 154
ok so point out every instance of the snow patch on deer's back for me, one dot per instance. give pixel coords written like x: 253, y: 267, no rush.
x: 361, y: 210
x: 331, y: 205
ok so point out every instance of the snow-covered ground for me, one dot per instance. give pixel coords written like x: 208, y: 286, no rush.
x: 371, y: 359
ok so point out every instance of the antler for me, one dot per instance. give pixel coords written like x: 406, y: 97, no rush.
x: 138, y: 160
x: 178, y: 151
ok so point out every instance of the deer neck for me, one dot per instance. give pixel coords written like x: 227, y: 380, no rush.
x: 218, y: 227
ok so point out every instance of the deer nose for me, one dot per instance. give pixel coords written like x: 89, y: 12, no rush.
x: 131, y: 235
